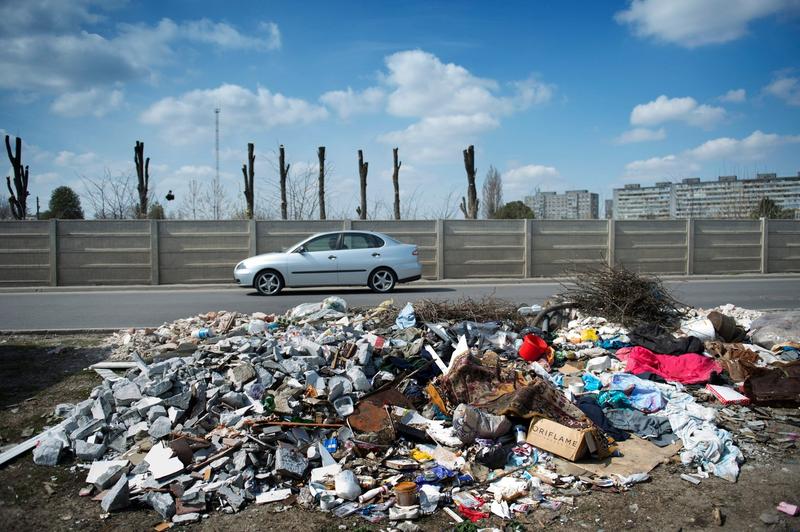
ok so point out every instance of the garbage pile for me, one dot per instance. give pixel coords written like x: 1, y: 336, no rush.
x: 378, y: 414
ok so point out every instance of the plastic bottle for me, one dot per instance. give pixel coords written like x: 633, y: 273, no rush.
x: 371, y: 494
x: 203, y: 333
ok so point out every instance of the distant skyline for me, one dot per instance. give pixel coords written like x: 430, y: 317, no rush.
x: 556, y: 95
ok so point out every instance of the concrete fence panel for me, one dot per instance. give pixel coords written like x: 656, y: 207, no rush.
x: 783, y: 246
x: 484, y: 248
x: 727, y: 246
x: 561, y: 246
x: 422, y: 233
x: 650, y: 247
x: 201, y: 251
x: 102, y: 252
x: 24, y: 253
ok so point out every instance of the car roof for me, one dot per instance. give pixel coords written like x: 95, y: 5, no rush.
x: 348, y: 231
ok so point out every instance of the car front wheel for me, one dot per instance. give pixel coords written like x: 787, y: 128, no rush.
x: 268, y: 283
x: 382, y: 280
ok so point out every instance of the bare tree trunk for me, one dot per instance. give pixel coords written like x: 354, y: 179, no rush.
x: 248, y: 170
x: 18, y: 200
x: 143, y: 177
x: 363, y: 168
x: 469, y: 205
x: 396, y: 183
x: 284, y: 169
x: 321, y: 186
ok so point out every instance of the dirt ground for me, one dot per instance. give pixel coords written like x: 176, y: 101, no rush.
x: 36, y: 373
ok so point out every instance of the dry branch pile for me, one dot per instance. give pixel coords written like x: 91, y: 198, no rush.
x: 488, y: 308
x: 623, y: 296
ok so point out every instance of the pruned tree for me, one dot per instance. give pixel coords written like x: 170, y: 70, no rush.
x: 321, y: 182
x: 492, y: 193
x: 363, y: 168
x: 284, y: 173
x: 469, y: 205
x: 19, y: 195
x: 143, y: 177
x: 302, y: 200
x: 396, y: 163
x: 248, y: 170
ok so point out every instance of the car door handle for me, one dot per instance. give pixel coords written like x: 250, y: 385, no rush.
x: 376, y: 254
x: 332, y: 257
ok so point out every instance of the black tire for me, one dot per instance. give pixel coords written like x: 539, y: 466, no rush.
x: 268, y: 283
x: 382, y: 280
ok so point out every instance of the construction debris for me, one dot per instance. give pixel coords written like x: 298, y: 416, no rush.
x: 392, y: 415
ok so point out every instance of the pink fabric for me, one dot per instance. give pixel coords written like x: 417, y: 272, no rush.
x: 689, y: 368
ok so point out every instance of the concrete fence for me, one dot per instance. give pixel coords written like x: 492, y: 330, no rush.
x: 131, y: 252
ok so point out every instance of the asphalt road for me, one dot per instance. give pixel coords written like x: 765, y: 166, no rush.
x: 120, y: 309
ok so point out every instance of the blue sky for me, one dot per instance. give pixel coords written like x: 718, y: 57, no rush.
x: 556, y: 95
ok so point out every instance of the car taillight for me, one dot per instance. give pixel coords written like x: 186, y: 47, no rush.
x: 415, y: 252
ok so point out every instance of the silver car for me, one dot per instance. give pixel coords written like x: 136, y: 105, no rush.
x: 341, y: 258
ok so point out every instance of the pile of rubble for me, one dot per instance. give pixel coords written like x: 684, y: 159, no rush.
x: 372, y: 413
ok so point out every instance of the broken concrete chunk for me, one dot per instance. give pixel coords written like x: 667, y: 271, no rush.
x: 241, y: 374
x: 160, y: 428
x: 290, y: 463
x: 89, y: 452
x: 191, y: 517
x: 99, y: 472
x: 232, y: 496
x: 101, y: 409
x: 126, y: 392
x: 118, y: 497
x: 48, y: 451
x: 64, y: 409
x: 360, y: 381
x: 163, y: 503
x: 158, y: 388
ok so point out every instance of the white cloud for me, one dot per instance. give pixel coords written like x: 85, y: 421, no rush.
x: 188, y: 117
x: 440, y: 137
x: 349, y: 102
x: 786, y: 88
x: 524, y: 180
x: 665, y: 109
x: 68, y: 158
x: 755, y: 146
x: 55, y: 48
x: 226, y: 36
x: 641, y: 134
x: 95, y: 101
x: 692, y: 23
x: 734, y: 96
x: 452, y: 105
x: 667, y: 166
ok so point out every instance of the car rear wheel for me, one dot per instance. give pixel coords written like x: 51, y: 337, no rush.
x: 382, y: 280
x: 269, y: 283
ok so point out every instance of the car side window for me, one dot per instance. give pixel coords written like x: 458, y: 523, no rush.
x: 357, y: 241
x: 377, y: 242
x: 323, y: 243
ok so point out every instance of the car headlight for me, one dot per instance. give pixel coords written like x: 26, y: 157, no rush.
x: 241, y: 266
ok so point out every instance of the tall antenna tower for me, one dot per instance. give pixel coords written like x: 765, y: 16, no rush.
x: 216, y: 150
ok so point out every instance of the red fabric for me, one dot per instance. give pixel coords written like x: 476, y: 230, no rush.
x: 471, y: 514
x: 689, y: 368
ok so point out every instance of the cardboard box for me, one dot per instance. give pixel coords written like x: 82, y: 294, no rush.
x: 558, y: 439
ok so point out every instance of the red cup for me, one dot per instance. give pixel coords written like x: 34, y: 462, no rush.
x: 532, y: 348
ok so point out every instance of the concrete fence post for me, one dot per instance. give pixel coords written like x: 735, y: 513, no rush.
x: 528, y: 249
x: 53, y: 252
x: 440, y: 249
x: 253, y: 238
x: 347, y: 225
x: 689, y: 246
x: 154, y: 253
x: 611, y: 228
x: 764, y: 245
